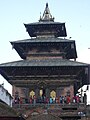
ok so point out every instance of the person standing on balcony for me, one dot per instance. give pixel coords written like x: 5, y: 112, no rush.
x: 34, y: 100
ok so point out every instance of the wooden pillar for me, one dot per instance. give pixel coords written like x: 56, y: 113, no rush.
x: 57, y: 92
x: 48, y: 92
x: 37, y: 92
x: 75, y: 88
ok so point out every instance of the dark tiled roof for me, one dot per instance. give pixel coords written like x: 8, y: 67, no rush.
x: 46, y: 62
x: 42, y: 40
x: 6, y: 110
x: 44, y: 23
x: 32, y: 28
x: 21, y: 45
x: 44, y: 117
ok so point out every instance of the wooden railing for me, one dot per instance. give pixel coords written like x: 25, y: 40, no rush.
x: 72, y: 106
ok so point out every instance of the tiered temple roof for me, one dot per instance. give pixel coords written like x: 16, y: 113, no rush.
x: 30, y: 71
x: 68, y: 46
x: 46, y: 26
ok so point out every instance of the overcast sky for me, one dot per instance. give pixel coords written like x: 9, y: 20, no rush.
x: 13, y: 13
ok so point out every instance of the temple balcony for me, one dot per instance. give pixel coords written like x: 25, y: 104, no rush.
x: 56, y: 108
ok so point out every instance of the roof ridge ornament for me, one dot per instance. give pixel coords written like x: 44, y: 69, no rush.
x: 46, y: 15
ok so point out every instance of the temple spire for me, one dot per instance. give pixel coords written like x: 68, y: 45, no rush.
x: 46, y: 15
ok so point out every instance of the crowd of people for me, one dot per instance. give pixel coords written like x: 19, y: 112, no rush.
x: 46, y: 100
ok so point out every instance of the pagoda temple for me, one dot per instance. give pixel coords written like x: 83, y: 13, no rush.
x: 48, y: 66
